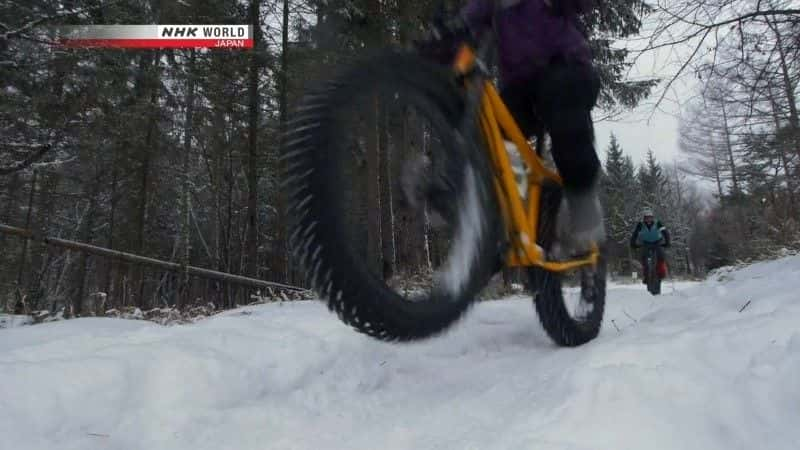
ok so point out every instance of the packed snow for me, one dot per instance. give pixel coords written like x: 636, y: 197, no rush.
x: 696, y: 368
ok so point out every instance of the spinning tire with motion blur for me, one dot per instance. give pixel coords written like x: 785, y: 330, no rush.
x: 316, y: 149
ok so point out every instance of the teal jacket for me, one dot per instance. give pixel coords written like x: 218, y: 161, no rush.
x: 650, y: 235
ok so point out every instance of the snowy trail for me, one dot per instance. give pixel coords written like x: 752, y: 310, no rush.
x: 686, y: 370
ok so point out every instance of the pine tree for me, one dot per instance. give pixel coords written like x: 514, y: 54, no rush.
x: 620, y: 198
x: 606, y: 22
x: 653, y: 183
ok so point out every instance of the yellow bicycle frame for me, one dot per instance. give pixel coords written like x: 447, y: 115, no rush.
x: 521, y: 219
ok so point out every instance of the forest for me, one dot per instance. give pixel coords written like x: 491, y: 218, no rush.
x: 175, y: 154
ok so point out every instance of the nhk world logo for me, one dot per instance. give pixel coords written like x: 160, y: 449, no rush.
x: 157, y: 36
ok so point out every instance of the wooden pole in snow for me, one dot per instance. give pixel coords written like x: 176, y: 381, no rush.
x: 137, y: 259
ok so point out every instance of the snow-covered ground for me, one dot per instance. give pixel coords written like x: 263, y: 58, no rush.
x: 686, y: 370
x: 11, y: 320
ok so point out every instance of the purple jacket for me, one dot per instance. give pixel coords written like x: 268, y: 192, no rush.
x: 529, y: 34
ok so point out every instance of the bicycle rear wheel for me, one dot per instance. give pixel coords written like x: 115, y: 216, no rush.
x: 571, y: 316
x: 433, y: 190
x: 653, y: 280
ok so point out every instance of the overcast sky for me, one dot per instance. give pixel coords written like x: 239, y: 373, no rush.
x: 636, y: 134
x: 648, y: 127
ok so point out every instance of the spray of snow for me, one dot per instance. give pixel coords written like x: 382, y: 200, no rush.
x: 464, y: 251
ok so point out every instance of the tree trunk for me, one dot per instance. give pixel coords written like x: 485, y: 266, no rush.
x: 228, y: 253
x: 23, y: 258
x: 417, y: 240
x: 111, y: 266
x: 787, y: 172
x: 373, y: 187
x: 183, y: 294
x: 715, y: 163
x: 373, y: 38
x: 218, y: 173
x: 41, y: 257
x: 10, y: 204
x: 139, y: 259
x: 387, y: 212
x: 729, y: 148
x: 85, y: 233
x: 150, y: 143
x: 402, y: 218
x: 252, y: 143
x: 281, y: 265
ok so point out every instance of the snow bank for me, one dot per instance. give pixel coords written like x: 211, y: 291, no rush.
x: 13, y: 320
x: 686, y: 370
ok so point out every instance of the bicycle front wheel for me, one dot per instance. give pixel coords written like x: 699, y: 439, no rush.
x: 393, y: 212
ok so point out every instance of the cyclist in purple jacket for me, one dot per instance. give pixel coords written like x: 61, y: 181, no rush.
x: 547, y: 79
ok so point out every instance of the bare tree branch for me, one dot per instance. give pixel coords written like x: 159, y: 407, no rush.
x: 682, y: 68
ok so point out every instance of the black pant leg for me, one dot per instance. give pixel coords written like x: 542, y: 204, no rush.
x: 565, y: 96
x: 519, y: 99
